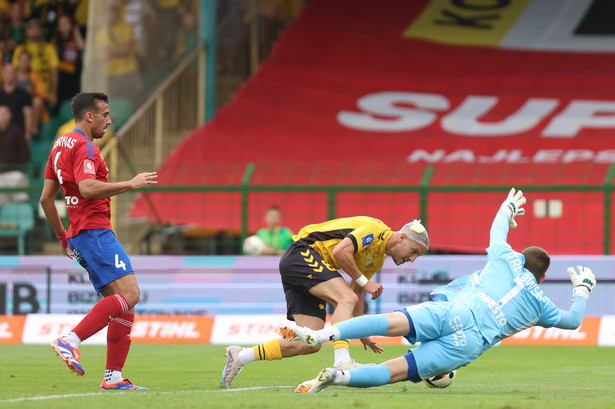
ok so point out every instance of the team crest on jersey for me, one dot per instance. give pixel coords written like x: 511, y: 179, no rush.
x: 368, y: 239
x: 88, y: 167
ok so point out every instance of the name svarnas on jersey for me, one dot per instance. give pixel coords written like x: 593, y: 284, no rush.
x: 65, y: 141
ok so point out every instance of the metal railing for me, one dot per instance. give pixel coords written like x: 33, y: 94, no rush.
x: 174, y: 110
x: 426, y: 191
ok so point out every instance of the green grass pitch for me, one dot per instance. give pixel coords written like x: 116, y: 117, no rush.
x: 188, y: 376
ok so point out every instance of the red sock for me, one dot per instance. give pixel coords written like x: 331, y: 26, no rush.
x: 100, y: 315
x: 118, y: 341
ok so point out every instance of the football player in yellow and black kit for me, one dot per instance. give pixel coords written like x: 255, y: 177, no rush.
x: 359, y: 246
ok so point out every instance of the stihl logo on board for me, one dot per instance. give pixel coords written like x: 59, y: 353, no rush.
x: 5, y: 330
x: 165, y: 329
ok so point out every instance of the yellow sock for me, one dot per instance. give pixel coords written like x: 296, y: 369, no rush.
x: 342, y: 343
x: 269, y: 350
x: 341, y: 353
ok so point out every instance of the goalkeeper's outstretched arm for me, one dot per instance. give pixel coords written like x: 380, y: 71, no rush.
x: 505, y: 218
x: 573, y: 318
x: 584, y: 282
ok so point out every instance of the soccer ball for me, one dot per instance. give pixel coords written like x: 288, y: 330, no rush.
x: 441, y: 381
x: 253, y: 245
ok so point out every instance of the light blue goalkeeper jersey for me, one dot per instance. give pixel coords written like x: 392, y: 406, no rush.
x: 505, y: 297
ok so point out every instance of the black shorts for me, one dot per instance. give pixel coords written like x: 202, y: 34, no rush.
x: 301, y: 268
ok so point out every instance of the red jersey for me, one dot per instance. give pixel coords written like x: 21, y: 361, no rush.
x: 73, y: 159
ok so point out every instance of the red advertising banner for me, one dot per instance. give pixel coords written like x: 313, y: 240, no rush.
x: 11, y: 328
x: 476, y: 88
x: 255, y: 329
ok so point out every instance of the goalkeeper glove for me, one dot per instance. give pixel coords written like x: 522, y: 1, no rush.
x: 583, y: 281
x: 512, y: 206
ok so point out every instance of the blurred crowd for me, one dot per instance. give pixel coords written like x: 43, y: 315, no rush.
x: 132, y: 46
x: 42, y: 44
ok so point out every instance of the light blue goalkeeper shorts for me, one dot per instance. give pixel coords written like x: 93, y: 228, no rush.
x: 448, y: 335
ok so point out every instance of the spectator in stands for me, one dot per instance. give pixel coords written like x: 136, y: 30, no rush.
x: 4, y: 10
x: 69, y: 45
x: 140, y: 15
x: 44, y: 58
x: 15, y: 150
x: 32, y: 82
x: 276, y: 237
x: 169, y: 17
x: 4, y: 32
x: 12, y: 30
x: 48, y: 13
x: 187, y: 37
x: 14, y: 157
x: 18, y: 100
x: 115, y: 44
x: 233, y: 40
x: 81, y: 15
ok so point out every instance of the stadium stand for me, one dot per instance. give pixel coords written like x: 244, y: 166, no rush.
x: 16, y: 220
x: 377, y: 96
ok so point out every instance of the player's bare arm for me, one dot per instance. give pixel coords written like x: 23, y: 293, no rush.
x: 95, y: 189
x: 358, y: 311
x: 358, y: 290
x: 344, y: 254
x: 50, y: 188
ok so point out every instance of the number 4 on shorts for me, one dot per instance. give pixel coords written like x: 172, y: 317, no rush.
x: 119, y: 263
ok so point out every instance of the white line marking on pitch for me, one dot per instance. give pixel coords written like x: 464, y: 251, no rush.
x: 79, y: 395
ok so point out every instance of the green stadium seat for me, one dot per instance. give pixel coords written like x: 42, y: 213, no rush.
x: 120, y: 109
x: 41, y: 146
x: 16, y: 220
x: 39, y: 152
x: 48, y: 129
x: 64, y: 113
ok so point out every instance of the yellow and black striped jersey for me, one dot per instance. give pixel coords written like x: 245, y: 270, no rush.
x: 369, y: 237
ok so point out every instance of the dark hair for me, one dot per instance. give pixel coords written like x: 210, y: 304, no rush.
x: 274, y: 207
x: 537, y: 261
x: 86, y: 102
x: 33, y: 22
x: 57, y: 37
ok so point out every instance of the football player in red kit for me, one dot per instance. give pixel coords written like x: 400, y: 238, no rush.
x: 76, y: 166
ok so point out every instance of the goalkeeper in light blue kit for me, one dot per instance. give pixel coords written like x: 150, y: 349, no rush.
x: 469, y: 315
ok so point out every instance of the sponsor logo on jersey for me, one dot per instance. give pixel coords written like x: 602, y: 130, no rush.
x: 88, y: 167
x: 493, y: 306
x: 71, y: 201
x: 367, y: 239
x: 459, y: 336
